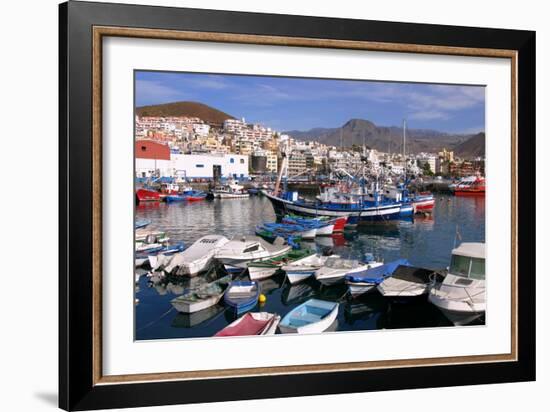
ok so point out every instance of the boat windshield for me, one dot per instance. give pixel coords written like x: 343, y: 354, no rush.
x: 468, y: 267
x: 252, y: 248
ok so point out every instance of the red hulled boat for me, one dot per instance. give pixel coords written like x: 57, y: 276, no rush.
x: 475, y: 188
x: 423, y: 202
x: 147, y: 195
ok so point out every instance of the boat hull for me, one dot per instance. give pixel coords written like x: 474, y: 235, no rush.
x: 325, y: 230
x: 297, y: 277
x: 144, y: 195
x: 460, y: 311
x: 230, y: 195
x: 283, y: 207
x: 357, y: 289
x: 258, y: 273
x: 424, y: 206
x: 186, y: 307
x: 245, y: 325
x: 401, y: 289
x: 241, y: 301
x: 237, y: 262
x: 461, y: 192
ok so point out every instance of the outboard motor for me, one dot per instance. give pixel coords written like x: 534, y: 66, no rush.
x: 150, y: 239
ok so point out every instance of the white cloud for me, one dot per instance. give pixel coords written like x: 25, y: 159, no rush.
x: 153, y: 92
x: 429, y: 115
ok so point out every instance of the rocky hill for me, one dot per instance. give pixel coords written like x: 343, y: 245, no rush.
x: 190, y: 109
x: 472, y: 148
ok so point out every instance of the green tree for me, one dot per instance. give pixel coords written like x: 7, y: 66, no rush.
x: 426, y: 170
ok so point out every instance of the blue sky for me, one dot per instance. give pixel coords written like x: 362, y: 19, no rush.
x: 301, y: 104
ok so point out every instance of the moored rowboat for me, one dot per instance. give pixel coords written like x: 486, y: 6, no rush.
x: 242, y: 295
x: 250, y: 324
x: 313, y: 316
x: 202, y: 297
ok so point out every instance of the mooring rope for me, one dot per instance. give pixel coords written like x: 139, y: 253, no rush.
x: 155, y: 321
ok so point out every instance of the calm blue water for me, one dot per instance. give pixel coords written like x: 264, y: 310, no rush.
x: 425, y: 241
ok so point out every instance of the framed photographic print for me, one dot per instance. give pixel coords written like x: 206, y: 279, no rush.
x: 259, y: 205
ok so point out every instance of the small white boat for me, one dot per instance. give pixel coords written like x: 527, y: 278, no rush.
x: 361, y: 284
x: 198, y: 257
x: 230, y: 191
x: 461, y: 295
x: 148, y: 247
x: 313, y: 316
x: 157, y: 262
x: 251, y: 324
x: 202, y: 297
x: 336, y: 269
x: 325, y: 230
x: 408, y: 281
x: 264, y: 269
x: 240, y: 250
x: 302, y: 269
x: 155, y: 236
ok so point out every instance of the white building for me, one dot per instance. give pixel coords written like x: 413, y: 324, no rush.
x: 203, y: 165
x: 157, y: 160
x: 427, y: 159
x: 201, y: 129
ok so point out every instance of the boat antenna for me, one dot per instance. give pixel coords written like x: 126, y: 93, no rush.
x: 457, y: 236
x: 341, y: 139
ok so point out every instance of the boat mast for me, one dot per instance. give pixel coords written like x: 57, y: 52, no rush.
x: 404, y: 151
x: 283, y: 170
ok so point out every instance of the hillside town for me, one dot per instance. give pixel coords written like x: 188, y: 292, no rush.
x: 193, y: 149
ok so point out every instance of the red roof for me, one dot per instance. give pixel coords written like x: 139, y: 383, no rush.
x: 147, y: 149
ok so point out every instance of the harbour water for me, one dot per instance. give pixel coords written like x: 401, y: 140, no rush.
x: 424, y: 241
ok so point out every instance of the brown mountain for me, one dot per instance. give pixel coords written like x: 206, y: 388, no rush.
x: 472, y: 148
x: 190, y: 109
x: 385, y: 139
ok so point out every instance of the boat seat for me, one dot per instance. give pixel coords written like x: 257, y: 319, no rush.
x: 303, y: 320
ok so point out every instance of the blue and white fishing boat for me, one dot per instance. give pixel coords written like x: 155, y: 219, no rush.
x: 141, y: 223
x: 360, y: 284
x: 242, y: 296
x: 322, y: 227
x: 313, y: 316
x: 165, y: 250
x: 358, y: 211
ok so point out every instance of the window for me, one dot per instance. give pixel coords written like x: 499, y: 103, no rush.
x: 143, y: 148
x: 469, y: 267
x: 252, y: 248
x: 231, y: 160
x: 242, y: 161
x: 478, y: 269
x: 460, y: 265
x: 199, y: 165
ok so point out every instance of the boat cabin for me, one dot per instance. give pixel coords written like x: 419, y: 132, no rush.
x: 468, y: 261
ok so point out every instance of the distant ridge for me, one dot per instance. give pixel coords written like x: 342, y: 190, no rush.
x: 472, y: 148
x: 189, y: 109
x: 386, y: 139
